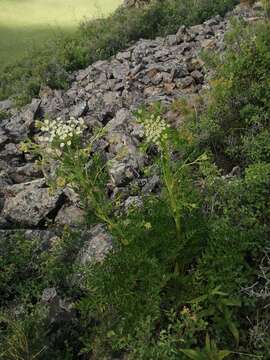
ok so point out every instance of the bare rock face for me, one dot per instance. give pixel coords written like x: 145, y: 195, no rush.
x: 29, y: 203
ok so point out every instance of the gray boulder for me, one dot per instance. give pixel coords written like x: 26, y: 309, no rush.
x: 98, y: 243
x: 70, y: 215
x: 5, y: 105
x: 29, y: 203
x: 79, y: 109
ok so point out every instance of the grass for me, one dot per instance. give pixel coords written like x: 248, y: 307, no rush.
x: 24, y: 23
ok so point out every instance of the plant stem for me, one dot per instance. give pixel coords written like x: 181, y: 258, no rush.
x: 169, y: 182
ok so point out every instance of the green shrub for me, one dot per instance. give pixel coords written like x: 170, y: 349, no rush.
x: 23, y: 339
x: 16, y: 267
x: 236, y: 123
x: 235, y: 129
x: 26, y: 269
x: 28, y: 266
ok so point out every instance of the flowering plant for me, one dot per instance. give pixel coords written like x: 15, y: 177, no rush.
x: 174, y: 170
x: 61, y: 133
x: 155, y: 128
x: 58, y: 140
x: 67, y: 162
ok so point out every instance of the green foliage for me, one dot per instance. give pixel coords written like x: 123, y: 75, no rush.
x: 23, y: 340
x: 155, y: 250
x: 210, y: 352
x: 27, y: 268
x: 3, y: 115
x: 235, y: 129
x: 100, y: 39
x: 181, y: 330
x: 136, y: 280
x: 128, y: 293
x: 239, y: 110
x: 16, y: 265
x: 217, y: 306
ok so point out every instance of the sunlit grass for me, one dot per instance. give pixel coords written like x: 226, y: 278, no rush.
x: 24, y: 23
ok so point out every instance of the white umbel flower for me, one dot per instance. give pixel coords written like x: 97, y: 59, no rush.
x: 62, y: 132
x: 155, y: 129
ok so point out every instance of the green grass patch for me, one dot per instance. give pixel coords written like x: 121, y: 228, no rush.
x: 32, y: 22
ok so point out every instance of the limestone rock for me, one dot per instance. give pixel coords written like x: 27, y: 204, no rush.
x: 25, y: 173
x: 29, y: 203
x: 118, y: 172
x: 133, y: 202
x: 5, y: 105
x: 97, y: 245
x: 258, y: 6
x: 3, y: 137
x: 70, y: 215
x: 48, y: 295
x: 79, y: 109
x: 197, y: 76
x: 120, y: 120
x: 209, y: 44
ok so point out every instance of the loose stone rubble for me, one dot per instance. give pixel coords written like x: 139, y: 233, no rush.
x: 105, y: 94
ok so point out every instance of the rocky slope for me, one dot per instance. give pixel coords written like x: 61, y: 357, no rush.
x: 105, y: 94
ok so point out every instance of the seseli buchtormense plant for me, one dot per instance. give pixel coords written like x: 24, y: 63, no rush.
x: 60, y: 133
x: 67, y: 161
x: 173, y: 170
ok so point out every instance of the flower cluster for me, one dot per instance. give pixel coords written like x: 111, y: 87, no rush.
x: 155, y: 129
x: 62, y: 132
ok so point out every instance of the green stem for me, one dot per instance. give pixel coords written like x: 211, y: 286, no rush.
x: 168, y: 178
